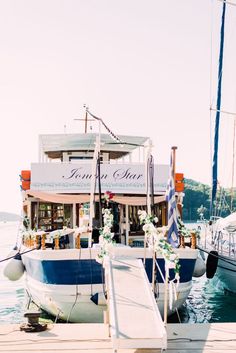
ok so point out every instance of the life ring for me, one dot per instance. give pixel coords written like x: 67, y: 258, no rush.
x: 211, y: 264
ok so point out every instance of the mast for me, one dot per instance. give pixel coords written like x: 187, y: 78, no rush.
x: 218, y: 106
x: 232, y: 180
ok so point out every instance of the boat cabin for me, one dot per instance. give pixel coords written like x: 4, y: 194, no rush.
x: 77, y: 174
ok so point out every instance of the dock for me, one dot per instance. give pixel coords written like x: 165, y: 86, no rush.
x: 94, y: 338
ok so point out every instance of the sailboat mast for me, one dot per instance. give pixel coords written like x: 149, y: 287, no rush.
x: 232, y: 181
x: 218, y: 106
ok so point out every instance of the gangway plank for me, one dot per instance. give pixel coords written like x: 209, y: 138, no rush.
x: 134, y: 317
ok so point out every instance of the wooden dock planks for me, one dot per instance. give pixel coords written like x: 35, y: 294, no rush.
x: 93, y: 338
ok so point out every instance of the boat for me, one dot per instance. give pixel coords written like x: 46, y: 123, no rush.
x: 219, y: 244
x: 78, y: 176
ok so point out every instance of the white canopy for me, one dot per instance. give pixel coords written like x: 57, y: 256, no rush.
x: 228, y: 223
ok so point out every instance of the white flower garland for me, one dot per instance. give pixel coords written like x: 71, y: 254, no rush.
x: 155, y: 238
x: 105, y: 238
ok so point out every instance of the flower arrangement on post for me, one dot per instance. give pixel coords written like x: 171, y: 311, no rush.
x: 186, y: 232
x: 105, y: 238
x: 192, y: 234
x: 108, y: 195
x: 155, y: 238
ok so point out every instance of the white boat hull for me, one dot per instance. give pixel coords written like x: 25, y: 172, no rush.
x: 226, y: 272
x: 64, y: 303
x: 72, y: 301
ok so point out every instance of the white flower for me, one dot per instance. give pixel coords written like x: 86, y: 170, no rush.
x: 173, y: 257
x: 106, y: 229
x: 170, y: 264
x: 101, y: 239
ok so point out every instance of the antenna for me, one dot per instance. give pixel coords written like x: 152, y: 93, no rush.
x: 86, y: 119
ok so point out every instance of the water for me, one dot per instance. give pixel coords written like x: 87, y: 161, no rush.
x: 207, y: 302
x: 12, y: 295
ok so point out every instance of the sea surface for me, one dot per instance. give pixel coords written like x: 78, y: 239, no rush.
x: 207, y: 302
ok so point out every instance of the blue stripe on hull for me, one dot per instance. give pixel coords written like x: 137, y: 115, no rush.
x: 71, y: 272
x: 186, y: 270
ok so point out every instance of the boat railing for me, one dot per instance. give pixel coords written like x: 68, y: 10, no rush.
x: 225, y: 243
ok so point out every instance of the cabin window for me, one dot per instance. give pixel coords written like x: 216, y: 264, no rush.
x: 50, y: 216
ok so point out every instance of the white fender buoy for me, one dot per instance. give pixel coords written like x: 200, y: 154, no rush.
x: 14, y: 269
x: 199, y: 268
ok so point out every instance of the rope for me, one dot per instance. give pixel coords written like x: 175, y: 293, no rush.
x: 228, y: 2
x: 77, y: 290
x: 115, y: 137
x: 219, y: 257
x: 18, y: 253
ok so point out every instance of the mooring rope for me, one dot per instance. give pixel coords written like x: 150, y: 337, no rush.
x: 18, y: 253
x: 218, y: 256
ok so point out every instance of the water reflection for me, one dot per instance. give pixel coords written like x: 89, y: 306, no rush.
x: 208, y: 302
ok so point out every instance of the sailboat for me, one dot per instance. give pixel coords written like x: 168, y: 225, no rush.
x: 220, y: 240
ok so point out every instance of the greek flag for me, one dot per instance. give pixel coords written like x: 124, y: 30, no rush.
x: 172, y: 236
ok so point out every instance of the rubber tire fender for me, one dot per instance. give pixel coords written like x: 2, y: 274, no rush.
x: 211, y: 264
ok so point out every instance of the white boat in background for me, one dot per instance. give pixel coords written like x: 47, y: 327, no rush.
x: 220, y: 249
x: 63, y: 207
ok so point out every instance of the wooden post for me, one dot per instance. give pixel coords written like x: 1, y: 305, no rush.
x: 57, y: 243
x: 193, y: 241
x: 77, y: 241
x: 182, y: 242
x: 36, y: 240
x: 31, y: 241
x: 43, y: 247
x: 174, y: 148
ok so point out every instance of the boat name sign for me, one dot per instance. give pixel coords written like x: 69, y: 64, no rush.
x: 118, y: 178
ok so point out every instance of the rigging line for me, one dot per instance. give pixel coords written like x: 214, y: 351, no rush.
x: 115, y: 137
x: 18, y: 253
x: 226, y: 268
x: 218, y: 256
x: 91, y: 271
x: 222, y: 111
x: 77, y: 273
x: 160, y: 271
x: 228, y: 2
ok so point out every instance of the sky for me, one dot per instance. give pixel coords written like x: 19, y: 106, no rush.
x: 147, y: 68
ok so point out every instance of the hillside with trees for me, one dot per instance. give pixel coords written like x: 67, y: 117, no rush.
x: 197, y: 199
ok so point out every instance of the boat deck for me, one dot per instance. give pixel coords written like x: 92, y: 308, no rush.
x: 94, y: 338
